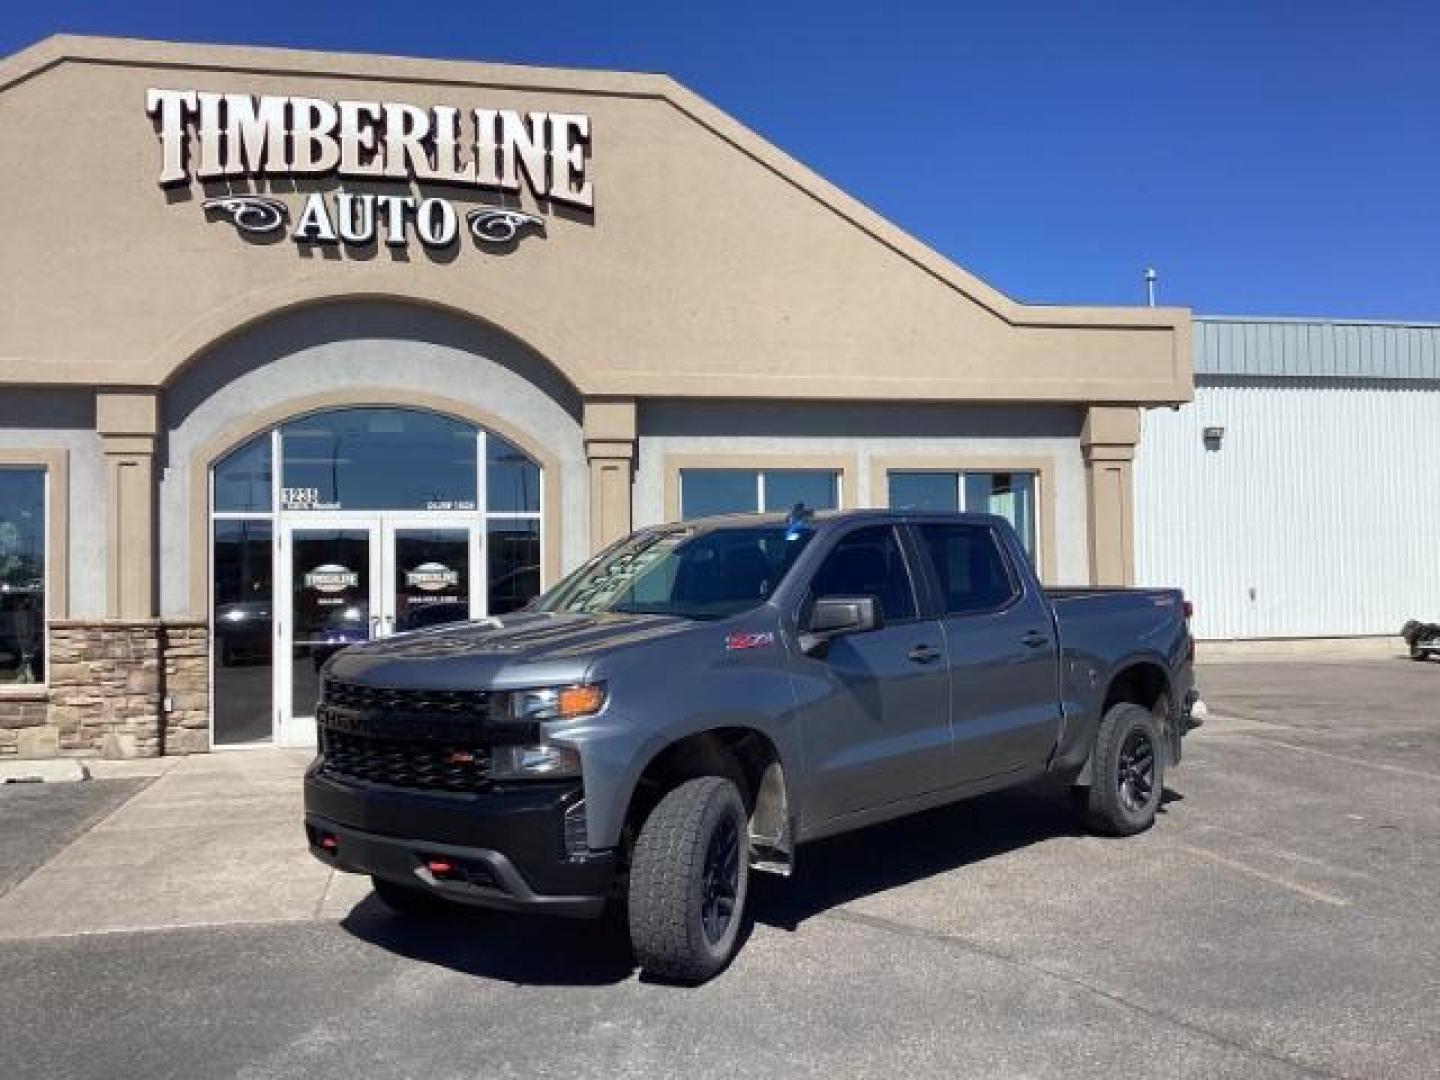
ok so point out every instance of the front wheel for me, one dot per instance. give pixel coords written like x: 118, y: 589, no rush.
x: 689, y: 877
x: 1127, y: 773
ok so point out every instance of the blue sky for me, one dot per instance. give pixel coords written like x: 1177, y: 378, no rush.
x: 1269, y: 158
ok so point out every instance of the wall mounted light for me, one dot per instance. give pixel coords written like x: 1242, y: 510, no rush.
x: 1213, y: 436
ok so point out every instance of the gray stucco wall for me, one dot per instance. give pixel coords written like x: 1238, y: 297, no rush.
x: 370, y: 345
x: 51, y: 419
x: 866, y: 432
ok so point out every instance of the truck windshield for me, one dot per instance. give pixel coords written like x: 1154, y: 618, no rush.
x: 684, y: 571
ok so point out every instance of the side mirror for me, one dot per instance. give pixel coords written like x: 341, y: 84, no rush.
x: 837, y: 616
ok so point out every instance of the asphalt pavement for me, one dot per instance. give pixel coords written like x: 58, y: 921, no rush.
x: 37, y: 821
x: 1280, y: 920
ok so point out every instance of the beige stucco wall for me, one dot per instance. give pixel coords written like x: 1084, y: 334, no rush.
x: 714, y: 265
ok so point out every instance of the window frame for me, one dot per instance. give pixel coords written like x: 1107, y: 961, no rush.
x: 53, y: 464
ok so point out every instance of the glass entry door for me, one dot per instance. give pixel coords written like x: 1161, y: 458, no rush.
x: 329, y: 589
x: 355, y: 578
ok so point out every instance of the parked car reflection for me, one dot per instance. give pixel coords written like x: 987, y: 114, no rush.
x: 242, y: 632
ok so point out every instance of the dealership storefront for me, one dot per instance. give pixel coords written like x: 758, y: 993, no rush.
x: 297, y: 350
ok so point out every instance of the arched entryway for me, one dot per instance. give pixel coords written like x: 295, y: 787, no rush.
x: 342, y: 525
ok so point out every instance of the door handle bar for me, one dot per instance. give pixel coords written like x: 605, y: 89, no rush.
x: 923, y: 654
x: 1034, y: 640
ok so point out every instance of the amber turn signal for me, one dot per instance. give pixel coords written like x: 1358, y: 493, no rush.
x: 580, y: 700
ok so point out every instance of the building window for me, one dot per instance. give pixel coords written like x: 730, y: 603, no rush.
x: 378, y: 459
x: 22, y: 575
x: 1010, y: 495
x: 704, y: 492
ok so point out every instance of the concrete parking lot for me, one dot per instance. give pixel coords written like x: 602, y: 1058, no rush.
x: 1282, y: 919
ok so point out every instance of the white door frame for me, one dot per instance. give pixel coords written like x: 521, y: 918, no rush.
x: 292, y: 730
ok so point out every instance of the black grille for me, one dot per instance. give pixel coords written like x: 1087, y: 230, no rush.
x: 404, y: 763
x: 448, y: 704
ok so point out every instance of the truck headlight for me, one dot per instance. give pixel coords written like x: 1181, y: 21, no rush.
x: 550, y: 703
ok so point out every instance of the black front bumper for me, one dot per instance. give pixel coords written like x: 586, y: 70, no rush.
x: 507, y: 847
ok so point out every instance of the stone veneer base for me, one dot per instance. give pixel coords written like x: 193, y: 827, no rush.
x: 108, y: 683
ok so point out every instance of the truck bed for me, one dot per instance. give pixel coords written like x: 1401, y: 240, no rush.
x: 1102, y: 631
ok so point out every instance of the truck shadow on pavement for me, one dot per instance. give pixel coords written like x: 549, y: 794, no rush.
x: 534, y: 950
x: 831, y: 873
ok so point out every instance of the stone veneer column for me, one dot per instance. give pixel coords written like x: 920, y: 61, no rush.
x: 126, y: 421
x: 105, y: 686
x: 610, y: 436
x: 111, y: 679
x: 1108, y: 442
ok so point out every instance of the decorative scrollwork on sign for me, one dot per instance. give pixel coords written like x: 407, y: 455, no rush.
x: 492, y: 226
x: 250, y: 213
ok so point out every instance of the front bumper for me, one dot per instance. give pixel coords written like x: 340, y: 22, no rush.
x: 508, y: 846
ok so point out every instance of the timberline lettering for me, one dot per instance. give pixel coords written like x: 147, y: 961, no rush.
x: 214, y: 136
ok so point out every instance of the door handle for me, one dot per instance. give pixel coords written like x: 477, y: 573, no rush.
x: 923, y: 654
x: 1034, y: 640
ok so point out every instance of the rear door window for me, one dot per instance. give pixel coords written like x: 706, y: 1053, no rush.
x: 869, y: 562
x: 972, y: 571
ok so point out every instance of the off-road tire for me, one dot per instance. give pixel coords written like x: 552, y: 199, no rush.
x: 667, y: 893
x: 1113, y: 803
x: 410, y: 901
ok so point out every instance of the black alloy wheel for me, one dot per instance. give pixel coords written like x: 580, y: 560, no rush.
x: 721, y: 881
x: 1127, y: 772
x: 1136, y: 774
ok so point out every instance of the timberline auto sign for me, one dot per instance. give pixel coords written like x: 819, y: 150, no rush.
x: 225, y: 137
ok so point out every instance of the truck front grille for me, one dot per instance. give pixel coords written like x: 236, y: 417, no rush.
x: 384, y: 699
x: 403, y: 763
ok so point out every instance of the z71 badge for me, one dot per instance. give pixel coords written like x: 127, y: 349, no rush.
x: 735, y: 642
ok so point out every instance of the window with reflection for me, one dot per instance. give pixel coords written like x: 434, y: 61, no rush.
x: 1010, y: 495
x: 244, y: 631
x: 243, y: 478
x: 22, y: 575
x: 513, y: 563
x: 378, y: 459
x: 512, y: 479
x: 707, y: 492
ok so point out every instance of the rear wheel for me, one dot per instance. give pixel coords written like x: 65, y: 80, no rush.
x: 1127, y: 773
x: 410, y: 900
x: 689, y: 877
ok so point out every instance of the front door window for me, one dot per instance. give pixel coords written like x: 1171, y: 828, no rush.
x: 431, y: 578
x: 376, y: 521
x: 330, y: 604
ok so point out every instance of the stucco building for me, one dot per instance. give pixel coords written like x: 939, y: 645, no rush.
x: 301, y: 348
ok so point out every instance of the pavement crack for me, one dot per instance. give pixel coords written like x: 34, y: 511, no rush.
x: 970, y: 945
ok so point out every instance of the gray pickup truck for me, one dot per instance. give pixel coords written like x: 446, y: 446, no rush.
x: 701, y: 699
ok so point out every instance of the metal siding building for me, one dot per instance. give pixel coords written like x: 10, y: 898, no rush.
x: 1317, y: 512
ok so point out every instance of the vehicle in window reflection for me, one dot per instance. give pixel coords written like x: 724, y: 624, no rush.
x: 243, y: 632
x: 702, y: 699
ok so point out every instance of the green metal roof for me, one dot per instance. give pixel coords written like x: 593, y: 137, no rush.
x: 1311, y: 348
